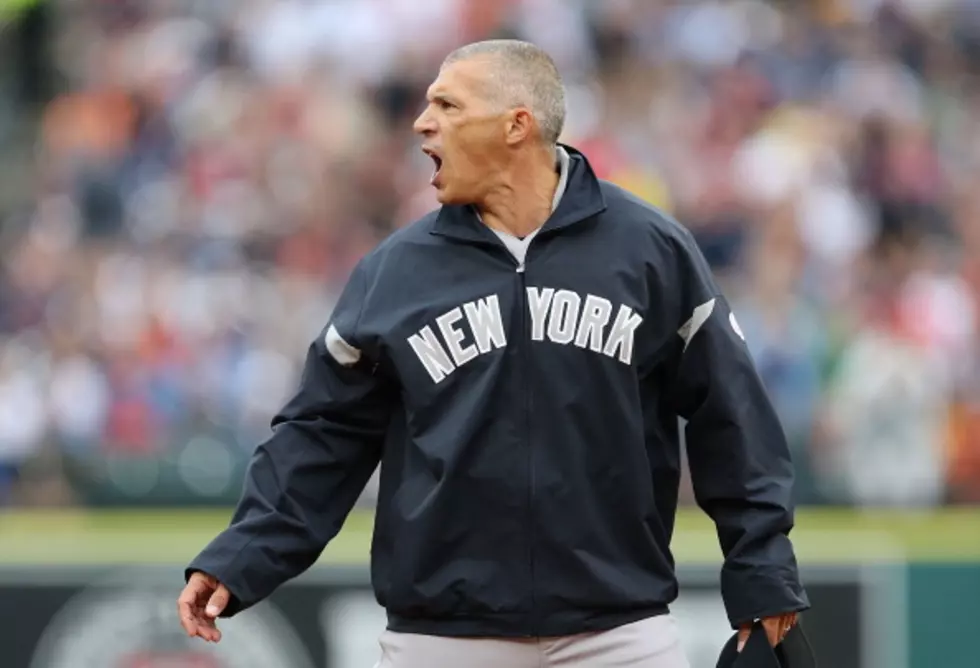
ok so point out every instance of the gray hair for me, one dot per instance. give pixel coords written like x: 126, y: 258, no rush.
x: 526, y: 76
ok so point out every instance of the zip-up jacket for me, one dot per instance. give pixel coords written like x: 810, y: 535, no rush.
x: 525, y: 417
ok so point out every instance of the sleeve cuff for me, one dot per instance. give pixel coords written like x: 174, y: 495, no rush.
x: 750, y: 596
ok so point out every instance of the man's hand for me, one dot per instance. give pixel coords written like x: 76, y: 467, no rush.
x: 199, y: 605
x: 776, y: 629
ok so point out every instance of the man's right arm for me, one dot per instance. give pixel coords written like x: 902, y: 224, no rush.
x: 304, y: 479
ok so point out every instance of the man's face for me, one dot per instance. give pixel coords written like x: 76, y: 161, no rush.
x: 463, y: 131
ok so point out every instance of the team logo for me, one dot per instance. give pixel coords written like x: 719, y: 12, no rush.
x: 560, y: 317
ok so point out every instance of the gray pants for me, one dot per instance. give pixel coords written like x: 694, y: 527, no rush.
x: 648, y: 643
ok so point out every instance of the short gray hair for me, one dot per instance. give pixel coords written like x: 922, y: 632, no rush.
x: 527, y: 76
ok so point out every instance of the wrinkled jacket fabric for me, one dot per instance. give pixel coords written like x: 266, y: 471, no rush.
x: 525, y: 417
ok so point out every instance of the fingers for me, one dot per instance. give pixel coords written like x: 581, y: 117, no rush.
x: 197, y: 624
x: 186, y: 616
x: 191, y: 610
x: 776, y: 629
x: 218, y: 601
x: 208, y: 631
x: 791, y: 621
x: 188, y: 601
x: 788, y: 622
x: 743, y: 636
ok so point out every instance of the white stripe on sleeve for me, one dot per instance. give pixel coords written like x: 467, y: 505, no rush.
x: 339, y: 349
x: 697, y: 319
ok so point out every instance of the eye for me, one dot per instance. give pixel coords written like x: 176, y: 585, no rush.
x: 445, y: 104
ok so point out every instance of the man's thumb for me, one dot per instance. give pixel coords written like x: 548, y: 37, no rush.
x: 218, y: 601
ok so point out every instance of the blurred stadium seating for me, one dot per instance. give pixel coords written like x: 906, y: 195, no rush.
x: 185, y: 185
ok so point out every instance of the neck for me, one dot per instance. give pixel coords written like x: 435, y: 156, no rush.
x: 521, y: 201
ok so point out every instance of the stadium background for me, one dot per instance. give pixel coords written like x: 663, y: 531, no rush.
x: 184, y: 186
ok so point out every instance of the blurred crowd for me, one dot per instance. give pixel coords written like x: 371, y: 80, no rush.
x: 212, y: 170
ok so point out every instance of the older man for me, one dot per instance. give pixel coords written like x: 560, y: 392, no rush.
x: 517, y: 361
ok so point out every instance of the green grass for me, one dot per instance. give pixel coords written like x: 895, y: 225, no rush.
x: 175, y: 536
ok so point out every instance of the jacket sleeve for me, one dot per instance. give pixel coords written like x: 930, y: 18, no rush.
x: 737, y: 451
x: 303, y: 481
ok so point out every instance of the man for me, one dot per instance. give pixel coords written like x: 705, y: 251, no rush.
x: 517, y: 362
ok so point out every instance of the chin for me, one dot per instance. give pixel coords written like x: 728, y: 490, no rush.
x: 446, y: 196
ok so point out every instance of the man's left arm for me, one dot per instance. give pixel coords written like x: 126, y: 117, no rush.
x: 739, y: 459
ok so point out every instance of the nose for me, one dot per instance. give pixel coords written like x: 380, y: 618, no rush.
x: 424, y: 124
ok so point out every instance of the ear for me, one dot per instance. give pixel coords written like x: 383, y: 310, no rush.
x: 519, y: 126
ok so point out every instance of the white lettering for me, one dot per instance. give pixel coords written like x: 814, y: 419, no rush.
x: 595, y: 317
x: 622, y: 333
x: 563, y: 317
x: 454, y: 337
x: 538, y: 301
x: 431, y: 354
x: 486, y: 323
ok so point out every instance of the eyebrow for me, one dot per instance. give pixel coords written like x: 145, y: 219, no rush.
x: 440, y: 96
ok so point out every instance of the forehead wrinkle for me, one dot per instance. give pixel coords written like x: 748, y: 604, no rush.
x: 484, y: 75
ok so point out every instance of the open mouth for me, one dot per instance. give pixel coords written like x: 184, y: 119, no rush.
x: 436, y: 159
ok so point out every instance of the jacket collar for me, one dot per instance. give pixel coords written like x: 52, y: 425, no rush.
x: 581, y: 200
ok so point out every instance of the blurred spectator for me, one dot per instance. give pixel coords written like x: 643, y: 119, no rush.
x: 785, y: 335
x: 212, y: 171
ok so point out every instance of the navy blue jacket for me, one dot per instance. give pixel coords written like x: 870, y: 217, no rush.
x: 526, y: 422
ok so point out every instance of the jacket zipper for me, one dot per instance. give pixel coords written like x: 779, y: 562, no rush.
x: 526, y: 409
